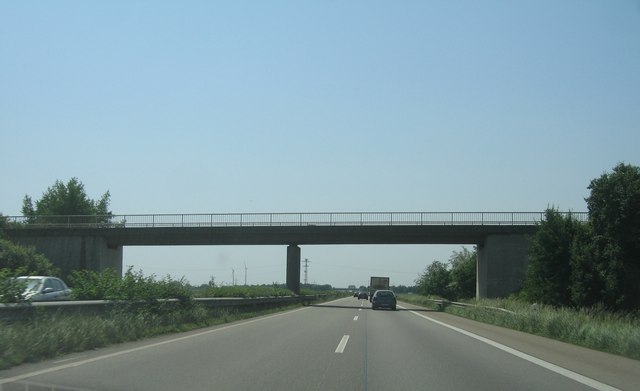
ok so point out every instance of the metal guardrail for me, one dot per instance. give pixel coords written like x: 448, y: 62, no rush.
x: 442, y: 304
x: 284, y: 219
x: 16, y: 311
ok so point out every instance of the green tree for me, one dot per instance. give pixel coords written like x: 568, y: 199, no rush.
x: 614, y: 214
x: 463, y: 273
x: 10, y: 288
x: 21, y: 260
x: 549, y: 272
x: 586, y: 282
x: 64, y: 200
x: 435, y: 280
x: 3, y: 225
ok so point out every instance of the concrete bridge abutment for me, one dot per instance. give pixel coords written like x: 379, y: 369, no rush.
x: 502, y: 265
x: 69, y: 253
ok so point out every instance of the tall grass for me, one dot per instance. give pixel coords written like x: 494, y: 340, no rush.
x: 594, y: 328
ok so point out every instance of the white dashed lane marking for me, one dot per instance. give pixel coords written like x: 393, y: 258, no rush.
x: 342, y: 344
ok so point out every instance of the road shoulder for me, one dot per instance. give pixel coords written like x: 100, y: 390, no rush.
x: 617, y: 371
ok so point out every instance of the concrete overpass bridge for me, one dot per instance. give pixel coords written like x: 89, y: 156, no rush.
x: 96, y: 242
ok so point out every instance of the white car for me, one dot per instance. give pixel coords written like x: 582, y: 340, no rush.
x: 44, y: 288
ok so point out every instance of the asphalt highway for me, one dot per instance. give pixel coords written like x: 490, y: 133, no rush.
x: 341, y: 345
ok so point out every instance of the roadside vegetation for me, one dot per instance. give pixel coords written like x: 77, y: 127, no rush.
x: 134, y: 285
x: 212, y: 290
x: 596, y: 263
x: 453, y: 280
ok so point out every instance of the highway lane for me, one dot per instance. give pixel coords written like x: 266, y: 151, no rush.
x: 342, y: 345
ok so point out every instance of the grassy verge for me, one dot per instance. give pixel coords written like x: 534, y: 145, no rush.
x: 45, y: 336
x: 593, y: 328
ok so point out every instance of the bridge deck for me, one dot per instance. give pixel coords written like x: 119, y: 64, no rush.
x: 285, y: 228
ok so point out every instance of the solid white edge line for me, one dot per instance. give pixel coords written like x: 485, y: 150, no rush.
x: 153, y: 345
x: 547, y: 365
x: 342, y: 344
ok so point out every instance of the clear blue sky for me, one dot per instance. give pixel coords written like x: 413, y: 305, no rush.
x: 316, y: 106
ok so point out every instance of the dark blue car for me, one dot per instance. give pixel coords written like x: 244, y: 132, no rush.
x: 383, y: 299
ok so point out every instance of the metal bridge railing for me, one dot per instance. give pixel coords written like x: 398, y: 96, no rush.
x: 285, y: 219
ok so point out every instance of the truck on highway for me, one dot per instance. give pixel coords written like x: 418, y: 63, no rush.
x: 377, y: 283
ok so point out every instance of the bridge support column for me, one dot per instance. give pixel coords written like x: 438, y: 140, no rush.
x: 293, y: 268
x: 502, y: 265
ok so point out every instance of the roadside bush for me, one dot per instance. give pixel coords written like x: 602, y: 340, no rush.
x: 108, y: 285
x: 453, y: 281
x: 245, y: 291
x: 436, y: 280
x: 91, y: 285
x: 11, y: 289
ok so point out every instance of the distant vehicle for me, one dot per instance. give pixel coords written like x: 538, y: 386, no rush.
x: 377, y: 283
x: 44, y: 288
x: 355, y: 294
x: 383, y: 299
x: 363, y: 295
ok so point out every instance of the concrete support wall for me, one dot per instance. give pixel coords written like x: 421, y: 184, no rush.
x: 502, y: 265
x: 293, y: 268
x: 70, y: 253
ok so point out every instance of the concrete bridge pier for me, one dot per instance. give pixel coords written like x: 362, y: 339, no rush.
x: 502, y: 265
x: 293, y: 268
